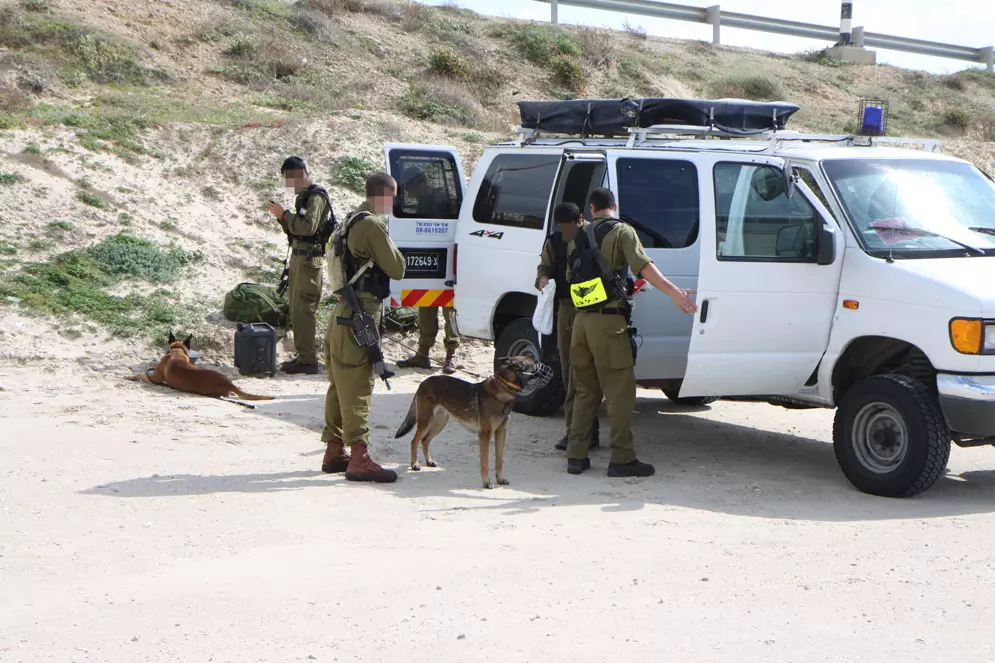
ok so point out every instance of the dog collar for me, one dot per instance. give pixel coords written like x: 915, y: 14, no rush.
x: 509, y: 385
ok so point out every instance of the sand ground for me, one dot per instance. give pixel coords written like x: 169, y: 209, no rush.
x: 140, y: 524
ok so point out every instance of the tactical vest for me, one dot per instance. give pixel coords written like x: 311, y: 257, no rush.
x: 593, y: 283
x: 325, y: 226
x: 374, y: 280
x: 559, y: 248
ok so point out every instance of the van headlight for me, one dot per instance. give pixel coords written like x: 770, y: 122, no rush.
x: 971, y: 336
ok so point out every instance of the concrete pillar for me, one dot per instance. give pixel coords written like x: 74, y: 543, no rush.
x: 553, y: 17
x: 858, y: 36
x: 714, y: 16
x: 988, y: 56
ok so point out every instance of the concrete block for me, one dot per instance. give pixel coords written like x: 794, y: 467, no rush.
x: 852, y: 54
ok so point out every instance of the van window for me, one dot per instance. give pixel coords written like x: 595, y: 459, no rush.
x: 808, y: 178
x: 659, y: 198
x: 428, y: 185
x: 516, y: 190
x: 748, y: 227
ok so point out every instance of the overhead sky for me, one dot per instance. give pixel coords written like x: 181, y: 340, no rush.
x: 959, y: 22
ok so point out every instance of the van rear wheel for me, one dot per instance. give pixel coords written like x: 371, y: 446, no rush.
x: 521, y: 339
x: 890, y: 436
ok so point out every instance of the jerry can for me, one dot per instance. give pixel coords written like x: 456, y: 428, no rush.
x: 255, y: 349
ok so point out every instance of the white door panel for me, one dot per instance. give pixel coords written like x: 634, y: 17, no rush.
x: 424, y: 221
x: 765, y: 308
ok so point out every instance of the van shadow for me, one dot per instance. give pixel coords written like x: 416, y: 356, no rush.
x: 701, y: 464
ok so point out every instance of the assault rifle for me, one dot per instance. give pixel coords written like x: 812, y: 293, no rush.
x: 364, y: 330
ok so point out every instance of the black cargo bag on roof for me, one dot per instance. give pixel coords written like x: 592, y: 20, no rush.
x: 616, y: 116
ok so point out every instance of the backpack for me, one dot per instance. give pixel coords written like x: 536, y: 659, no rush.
x: 335, y: 260
x: 253, y: 302
x: 401, y: 318
x: 592, y: 281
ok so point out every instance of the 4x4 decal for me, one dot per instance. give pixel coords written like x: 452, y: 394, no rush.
x: 487, y: 233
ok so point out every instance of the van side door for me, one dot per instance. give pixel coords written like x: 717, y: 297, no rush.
x: 423, y: 221
x: 768, y: 283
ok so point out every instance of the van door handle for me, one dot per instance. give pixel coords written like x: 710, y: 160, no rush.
x: 703, y: 310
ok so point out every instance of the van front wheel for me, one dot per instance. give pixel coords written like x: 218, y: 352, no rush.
x: 521, y: 339
x: 890, y: 436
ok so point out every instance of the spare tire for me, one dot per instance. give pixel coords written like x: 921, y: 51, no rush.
x: 521, y: 338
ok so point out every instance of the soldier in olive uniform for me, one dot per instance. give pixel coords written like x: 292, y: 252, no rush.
x: 307, y: 231
x: 601, y: 350
x: 432, y: 203
x: 553, y: 266
x: 350, y: 376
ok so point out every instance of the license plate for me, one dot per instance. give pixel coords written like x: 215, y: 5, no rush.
x: 424, y: 263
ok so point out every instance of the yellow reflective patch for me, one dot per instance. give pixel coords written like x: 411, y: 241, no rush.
x: 588, y: 293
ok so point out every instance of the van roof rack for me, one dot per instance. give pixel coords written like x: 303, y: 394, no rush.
x: 679, y: 135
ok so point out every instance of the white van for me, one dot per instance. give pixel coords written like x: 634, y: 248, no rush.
x: 831, y: 271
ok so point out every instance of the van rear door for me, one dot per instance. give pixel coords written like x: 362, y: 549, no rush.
x: 423, y: 221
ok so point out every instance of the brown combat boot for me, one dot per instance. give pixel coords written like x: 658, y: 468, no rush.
x: 419, y: 360
x: 336, y: 459
x: 449, y: 367
x: 362, y: 468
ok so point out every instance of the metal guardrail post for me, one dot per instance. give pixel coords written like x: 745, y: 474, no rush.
x: 713, y: 15
x: 553, y: 18
x: 857, y: 36
x: 988, y: 57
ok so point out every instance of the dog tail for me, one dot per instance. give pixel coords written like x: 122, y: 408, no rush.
x: 409, y: 420
x: 250, y: 397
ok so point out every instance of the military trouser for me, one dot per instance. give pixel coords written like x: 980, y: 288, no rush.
x: 304, y: 294
x: 602, y: 362
x: 428, y: 326
x: 350, y: 381
x: 564, y: 329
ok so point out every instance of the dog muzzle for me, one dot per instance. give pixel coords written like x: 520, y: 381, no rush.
x: 538, y: 377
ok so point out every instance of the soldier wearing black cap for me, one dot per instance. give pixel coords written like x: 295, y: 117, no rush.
x: 308, y: 229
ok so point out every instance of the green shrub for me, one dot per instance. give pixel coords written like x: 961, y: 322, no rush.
x: 38, y: 6
x: 91, y: 199
x: 7, y: 249
x: 448, y: 63
x: 61, y: 226
x: 125, y: 255
x: 539, y: 43
x: 956, y: 117
x: 9, y: 178
x: 569, y: 73
x: 756, y: 87
x: 351, y: 172
x: 436, y: 101
x: 242, y: 47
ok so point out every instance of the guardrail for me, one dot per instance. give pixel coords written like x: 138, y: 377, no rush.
x: 718, y: 18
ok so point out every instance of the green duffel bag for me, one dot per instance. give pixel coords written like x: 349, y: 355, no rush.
x: 253, y: 302
x: 401, y: 318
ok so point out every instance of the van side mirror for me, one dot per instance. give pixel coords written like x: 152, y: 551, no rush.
x: 826, y: 248
x: 789, y: 179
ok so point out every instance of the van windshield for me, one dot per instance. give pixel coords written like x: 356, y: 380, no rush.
x: 916, y: 208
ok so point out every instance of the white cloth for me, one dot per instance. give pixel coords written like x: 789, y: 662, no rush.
x: 542, y: 318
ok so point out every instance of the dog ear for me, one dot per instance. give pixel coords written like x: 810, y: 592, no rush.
x: 172, y: 339
x: 186, y: 341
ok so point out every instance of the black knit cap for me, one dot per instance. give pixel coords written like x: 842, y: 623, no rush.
x: 293, y: 163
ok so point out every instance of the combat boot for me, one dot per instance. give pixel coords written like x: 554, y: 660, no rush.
x: 631, y: 469
x: 362, y: 468
x: 593, y: 444
x: 449, y: 367
x: 336, y: 459
x: 296, y: 367
x: 418, y: 360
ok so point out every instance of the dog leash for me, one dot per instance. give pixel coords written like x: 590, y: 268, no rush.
x: 436, y: 361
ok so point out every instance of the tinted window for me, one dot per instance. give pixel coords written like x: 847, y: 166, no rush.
x: 429, y: 186
x: 659, y: 198
x: 749, y: 227
x: 516, y: 190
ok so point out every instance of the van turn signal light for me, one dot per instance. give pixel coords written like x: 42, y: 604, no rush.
x: 851, y: 304
x: 966, y: 335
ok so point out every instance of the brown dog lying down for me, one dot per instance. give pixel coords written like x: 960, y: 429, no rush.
x: 177, y: 371
x: 483, y: 407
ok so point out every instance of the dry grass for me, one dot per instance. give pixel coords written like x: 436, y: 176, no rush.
x: 756, y: 87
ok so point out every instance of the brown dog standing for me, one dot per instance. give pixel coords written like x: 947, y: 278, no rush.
x: 483, y: 407
x: 177, y: 371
